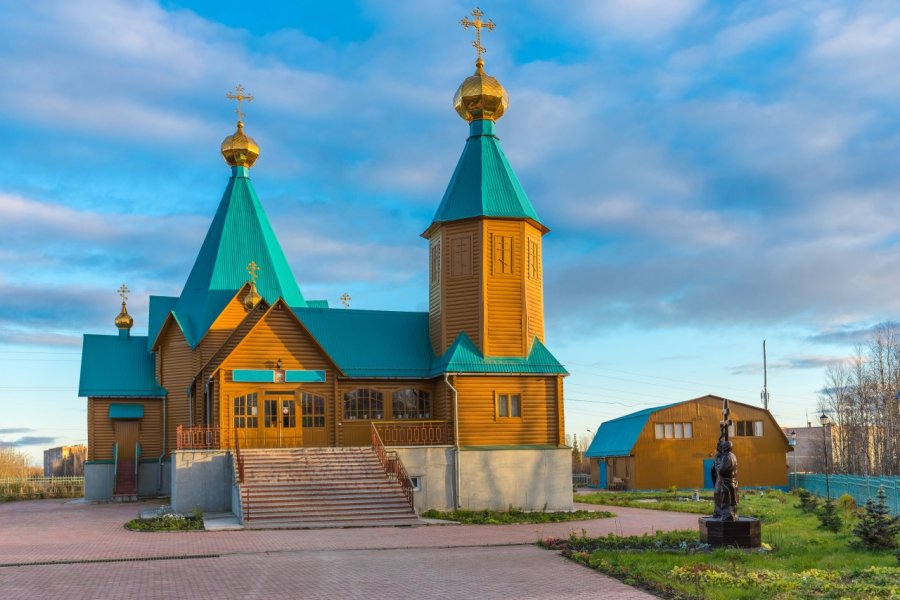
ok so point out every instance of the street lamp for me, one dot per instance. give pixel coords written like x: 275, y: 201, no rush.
x: 794, y: 446
x: 824, y: 420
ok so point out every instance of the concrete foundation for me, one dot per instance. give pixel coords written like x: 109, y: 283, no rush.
x: 202, y: 479
x: 99, y: 479
x: 433, y: 466
x: 526, y: 478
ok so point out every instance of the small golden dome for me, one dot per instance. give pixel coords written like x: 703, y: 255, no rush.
x: 252, y: 298
x: 123, y: 319
x: 480, y: 96
x: 239, y: 149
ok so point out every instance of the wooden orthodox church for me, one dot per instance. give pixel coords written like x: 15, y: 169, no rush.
x: 243, y: 387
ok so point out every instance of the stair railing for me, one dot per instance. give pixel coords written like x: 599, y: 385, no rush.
x: 115, y: 466
x: 243, y: 491
x: 137, y: 464
x: 392, y: 466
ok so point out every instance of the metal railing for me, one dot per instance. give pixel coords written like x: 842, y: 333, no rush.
x: 15, y: 488
x: 243, y: 492
x: 859, y: 487
x: 393, y: 468
x: 196, y: 438
x: 413, y: 433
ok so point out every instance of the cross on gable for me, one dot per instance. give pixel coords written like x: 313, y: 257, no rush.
x: 478, y: 24
x: 253, y: 269
x: 345, y: 299
x: 240, y: 96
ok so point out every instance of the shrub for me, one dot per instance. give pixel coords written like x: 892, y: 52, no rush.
x: 808, y: 502
x: 828, y: 517
x: 847, y: 504
x: 876, y: 528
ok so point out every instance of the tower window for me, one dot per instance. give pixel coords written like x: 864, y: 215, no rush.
x: 502, y: 251
x: 435, y: 260
x: 534, y: 259
x: 461, y: 256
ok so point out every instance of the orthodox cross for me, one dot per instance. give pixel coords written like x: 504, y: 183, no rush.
x: 239, y: 97
x: 345, y: 299
x: 478, y: 24
x: 723, y: 426
x: 252, y: 269
x: 123, y: 291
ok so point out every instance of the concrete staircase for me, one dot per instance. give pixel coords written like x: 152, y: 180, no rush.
x: 320, y: 487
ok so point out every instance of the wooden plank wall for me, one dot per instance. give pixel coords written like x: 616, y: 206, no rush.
x: 662, y: 463
x: 177, y: 370
x: 435, y: 310
x: 462, y: 293
x: 101, y: 429
x: 503, y: 292
x: 479, y: 425
x: 356, y: 432
x: 534, y: 288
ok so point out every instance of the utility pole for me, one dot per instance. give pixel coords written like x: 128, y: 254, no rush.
x: 764, y: 395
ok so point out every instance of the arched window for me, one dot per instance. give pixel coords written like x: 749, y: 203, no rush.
x: 364, y: 403
x: 411, y: 403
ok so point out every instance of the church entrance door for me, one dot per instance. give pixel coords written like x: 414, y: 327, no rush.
x: 313, y: 420
x: 267, y: 419
x: 127, y: 435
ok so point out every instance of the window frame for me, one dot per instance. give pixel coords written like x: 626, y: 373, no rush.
x: 461, y: 245
x: 668, y: 430
x: 502, y: 254
x: 503, y: 405
x: 422, y: 404
x: 368, y: 412
x: 434, y: 258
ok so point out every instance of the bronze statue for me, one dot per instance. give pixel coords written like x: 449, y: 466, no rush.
x: 725, y: 478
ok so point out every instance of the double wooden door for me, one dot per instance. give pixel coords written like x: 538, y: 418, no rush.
x: 279, y: 419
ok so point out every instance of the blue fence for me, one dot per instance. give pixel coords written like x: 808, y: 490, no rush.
x: 858, y: 486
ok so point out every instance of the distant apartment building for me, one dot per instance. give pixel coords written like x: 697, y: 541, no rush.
x: 65, y: 461
x: 810, y: 447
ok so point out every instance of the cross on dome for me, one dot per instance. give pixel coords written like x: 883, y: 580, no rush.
x: 253, y: 269
x: 478, y: 24
x: 240, y: 96
x: 123, y: 292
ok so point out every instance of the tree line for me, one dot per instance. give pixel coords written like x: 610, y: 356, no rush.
x: 860, y: 395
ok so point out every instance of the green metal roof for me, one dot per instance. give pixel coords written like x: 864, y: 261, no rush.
x: 160, y: 307
x: 317, y: 303
x: 484, y: 184
x: 240, y: 233
x: 618, y: 436
x: 463, y: 356
x: 372, y: 343
x: 119, y: 366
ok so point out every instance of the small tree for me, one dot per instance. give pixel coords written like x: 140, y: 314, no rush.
x: 829, y: 517
x: 876, y: 527
x: 808, y: 502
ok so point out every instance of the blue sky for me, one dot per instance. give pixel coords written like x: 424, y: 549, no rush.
x: 713, y: 174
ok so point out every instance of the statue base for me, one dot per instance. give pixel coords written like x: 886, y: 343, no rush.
x: 745, y: 532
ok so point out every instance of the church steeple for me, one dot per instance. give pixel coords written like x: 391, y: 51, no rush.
x: 239, y: 234
x: 485, y: 238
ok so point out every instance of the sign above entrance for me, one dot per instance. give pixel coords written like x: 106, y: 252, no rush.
x: 269, y: 376
x: 126, y: 411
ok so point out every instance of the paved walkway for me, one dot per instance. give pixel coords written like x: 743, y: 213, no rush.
x: 93, y: 556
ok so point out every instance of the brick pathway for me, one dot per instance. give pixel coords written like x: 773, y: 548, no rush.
x: 449, y: 561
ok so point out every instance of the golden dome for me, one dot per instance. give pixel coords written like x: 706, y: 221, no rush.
x: 480, y: 96
x: 252, y: 298
x: 123, y: 319
x: 239, y: 149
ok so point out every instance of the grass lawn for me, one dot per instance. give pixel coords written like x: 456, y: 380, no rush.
x: 495, y: 517
x: 802, y: 561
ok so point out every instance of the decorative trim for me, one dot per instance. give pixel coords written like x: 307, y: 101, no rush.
x: 126, y: 411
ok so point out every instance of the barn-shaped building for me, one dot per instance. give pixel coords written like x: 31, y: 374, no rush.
x: 659, y: 447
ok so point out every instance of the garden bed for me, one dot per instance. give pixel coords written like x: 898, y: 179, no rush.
x: 495, y: 517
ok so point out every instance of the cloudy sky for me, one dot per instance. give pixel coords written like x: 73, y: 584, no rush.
x: 713, y: 174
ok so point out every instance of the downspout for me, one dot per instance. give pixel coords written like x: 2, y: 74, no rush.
x: 162, y: 455
x: 457, y: 495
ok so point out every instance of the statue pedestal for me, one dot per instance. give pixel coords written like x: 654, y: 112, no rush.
x: 745, y: 532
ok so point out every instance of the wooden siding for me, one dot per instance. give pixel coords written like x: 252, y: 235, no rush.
x: 667, y: 462
x: 435, y: 326
x: 101, y: 429
x: 479, y: 424
x: 177, y: 370
x: 356, y: 432
x: 534, y: 288
x: 503, y: 292
x: 221, y: 329
x: 461, y: 294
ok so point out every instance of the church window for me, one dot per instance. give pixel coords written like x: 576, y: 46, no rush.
x: 364, y: 403
x: 411, y: 403
x: 461, y: 256
x: 246, y: 412
x: 502, y: 251
x: 509, y: 406
x: 435, y: 260
x: 534, y: 259
x: 312, y: 409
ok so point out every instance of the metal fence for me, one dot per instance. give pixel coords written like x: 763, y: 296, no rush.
x: 858, y: 486
x: 41, y: 487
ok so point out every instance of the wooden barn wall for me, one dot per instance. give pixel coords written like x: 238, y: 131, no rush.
x: 503, y: 292
x: 663, y: 463
x: 479, y: 424
x: 461, y: 301
x: 101, y: 429
x: 357, y: 432
x: 177, y: 370
x: 534, y: 288
x: 435, y: 325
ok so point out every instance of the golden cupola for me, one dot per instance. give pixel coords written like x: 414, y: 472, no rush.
x: 239, y: 149
x: 123, y: 319
x: 480, y: 96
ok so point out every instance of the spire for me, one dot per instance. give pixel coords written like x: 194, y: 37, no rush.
x: 480, y: 96
x: 238, y: 149
x: 123, y: 319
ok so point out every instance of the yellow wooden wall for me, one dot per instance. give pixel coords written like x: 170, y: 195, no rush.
x: 667, y: 462
x: 176, y: 371
x: 479, y: 425
x: 356, y: 432
x: 101, y: 429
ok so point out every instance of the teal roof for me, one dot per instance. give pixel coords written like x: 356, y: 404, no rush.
x: 239, y: 233
x: 484, y: 184
x: 463, y: 356
x: 372, y: 343
x: 160, y: 307
x: 618, y: 436
x: 317, y: 303
x: 118, y: 366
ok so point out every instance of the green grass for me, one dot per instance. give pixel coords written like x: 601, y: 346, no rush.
x: 495, y: 517
x: 800, y: 561
x: 168, y: 522
x: 750, y: 504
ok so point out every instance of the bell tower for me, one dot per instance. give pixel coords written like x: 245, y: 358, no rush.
x: 485, y: 271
